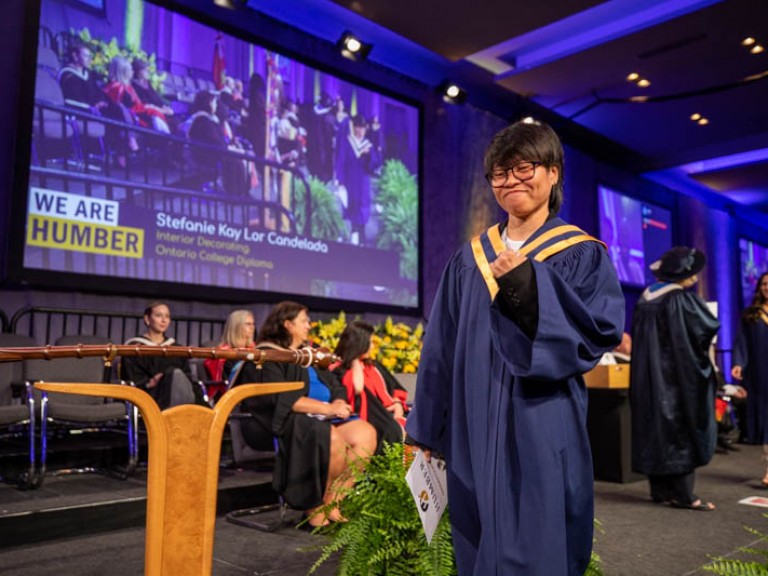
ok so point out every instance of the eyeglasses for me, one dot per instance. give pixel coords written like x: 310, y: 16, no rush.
x: 522, y: 171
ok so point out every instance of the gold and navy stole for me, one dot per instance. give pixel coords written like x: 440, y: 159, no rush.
x: 764, y: 314
x: 487, y: 246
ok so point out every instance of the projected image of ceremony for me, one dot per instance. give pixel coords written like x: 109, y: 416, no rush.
x: 166, y: 150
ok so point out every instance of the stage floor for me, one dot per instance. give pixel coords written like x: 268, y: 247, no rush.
x: 638, y: 538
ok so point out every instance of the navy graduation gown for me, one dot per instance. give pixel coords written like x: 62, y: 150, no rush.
x: 508, y: 411
x: 751, y: 353
x: 672, y: 382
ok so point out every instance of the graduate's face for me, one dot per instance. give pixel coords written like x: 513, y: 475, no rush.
x: 525, y: 198
x: 158, y: 319
x: 298, y: 328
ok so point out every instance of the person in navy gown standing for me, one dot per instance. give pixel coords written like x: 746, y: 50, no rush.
x: 522, y: 311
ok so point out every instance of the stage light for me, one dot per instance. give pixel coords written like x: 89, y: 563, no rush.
x: 231, y: 4
x: 452, y: 93
x: 352, y: 47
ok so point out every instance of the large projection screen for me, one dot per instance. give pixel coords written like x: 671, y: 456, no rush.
x: 167, y: 154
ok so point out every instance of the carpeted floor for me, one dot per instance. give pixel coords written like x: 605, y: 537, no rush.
x: 639, y: 538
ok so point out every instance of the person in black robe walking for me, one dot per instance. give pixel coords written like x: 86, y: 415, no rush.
x: 672, y: 381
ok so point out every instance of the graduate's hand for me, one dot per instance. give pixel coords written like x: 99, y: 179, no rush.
x: 507, y: 260
x: 736, y: 372
x: 427, y: 454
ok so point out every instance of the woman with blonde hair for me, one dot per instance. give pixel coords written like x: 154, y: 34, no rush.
x: 238, y: 333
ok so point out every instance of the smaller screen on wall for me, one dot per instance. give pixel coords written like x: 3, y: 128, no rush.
x: 754, y: 262
x: 636, y: 233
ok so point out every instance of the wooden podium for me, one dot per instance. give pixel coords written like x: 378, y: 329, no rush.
x: 609, y: 423
x: 183, y: 472
x: 608, y: 376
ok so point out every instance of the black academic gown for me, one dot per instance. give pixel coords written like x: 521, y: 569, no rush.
x: 304, y: 443
x: 506, y: 404
x: 672, y: 382
x: 140, y: 369
x: 751, y: 353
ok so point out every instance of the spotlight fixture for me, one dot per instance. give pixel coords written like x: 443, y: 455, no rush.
x: 452, y: 93
x: 231, y: 4
x: 637, y: 79
x: 352, y: 47
x: 699, y: 119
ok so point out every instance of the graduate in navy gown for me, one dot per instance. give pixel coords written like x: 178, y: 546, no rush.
x: 520, y: 314
x: 672, y: 381
x: 357, y: 159
x: 750, y: 364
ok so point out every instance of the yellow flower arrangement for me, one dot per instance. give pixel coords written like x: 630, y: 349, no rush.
x: 104, y: 52
x: 396, y: 345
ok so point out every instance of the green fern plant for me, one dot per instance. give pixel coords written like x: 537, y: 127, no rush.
x: 734, y: 567
x: 327, y: 223
x: 595, y: 567
x: 383, y: 534
x: 397, y: 194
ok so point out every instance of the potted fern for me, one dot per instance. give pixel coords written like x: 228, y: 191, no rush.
x: 383, y: 535
x: 735, y: 567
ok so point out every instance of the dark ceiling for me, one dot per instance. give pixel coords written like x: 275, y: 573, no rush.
x: 573, y: 57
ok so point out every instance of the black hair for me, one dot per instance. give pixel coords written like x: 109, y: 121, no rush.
x: 273, y: 329
x: 354, y: 341
x: 529, y: 141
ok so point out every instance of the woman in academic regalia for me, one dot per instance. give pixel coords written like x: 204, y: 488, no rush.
x: 750, y: 365
x: 318, y: 439
x: 672, y: 381
x: 168, y: 380
x: 372, y: 390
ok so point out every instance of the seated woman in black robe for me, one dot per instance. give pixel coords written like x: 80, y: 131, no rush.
x: 168, y: 380
x: 372, y: 390
x: 317, y: 440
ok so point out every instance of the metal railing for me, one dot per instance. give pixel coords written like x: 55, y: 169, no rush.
x: 45, y: 325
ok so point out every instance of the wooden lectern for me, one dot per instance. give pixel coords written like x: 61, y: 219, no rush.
x: 183, y: 472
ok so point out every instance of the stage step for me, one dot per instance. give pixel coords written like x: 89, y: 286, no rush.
x: 80, y: 504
